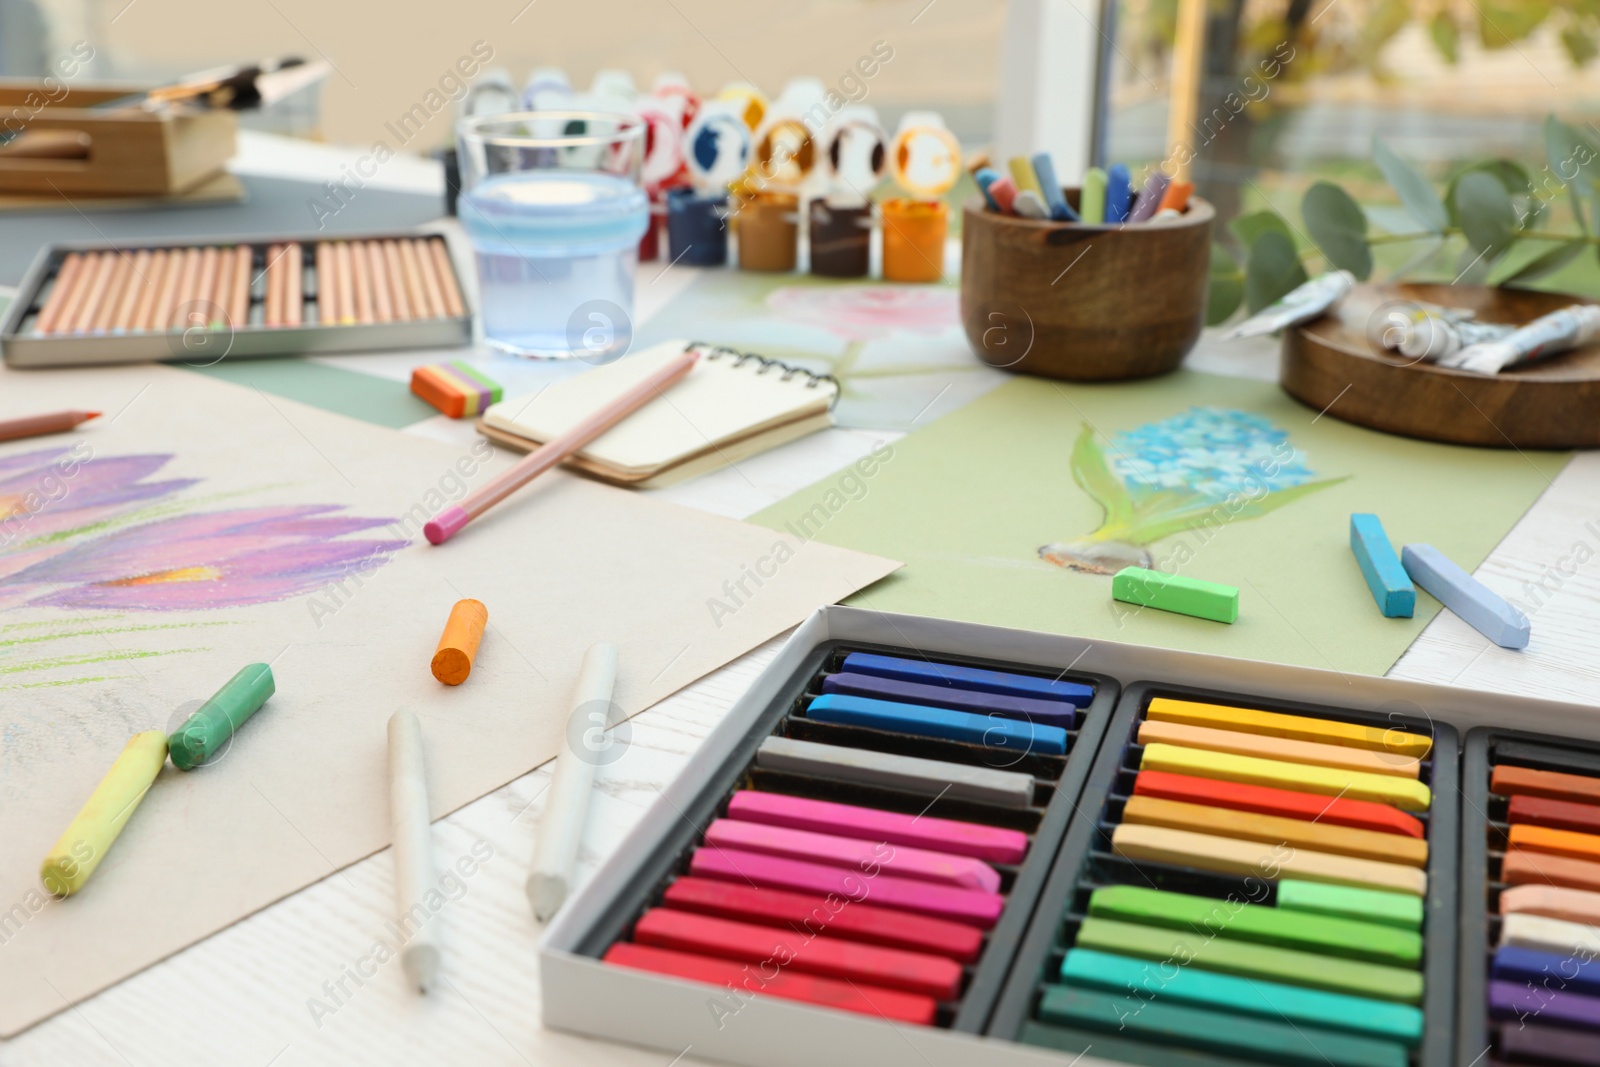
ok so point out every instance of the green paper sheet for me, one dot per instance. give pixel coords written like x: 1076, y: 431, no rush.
x: 1004, y: 510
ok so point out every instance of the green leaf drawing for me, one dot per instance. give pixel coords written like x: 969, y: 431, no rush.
x: 1089, y: 470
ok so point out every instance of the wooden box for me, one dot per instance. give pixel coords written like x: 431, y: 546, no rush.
x: 61, y: 146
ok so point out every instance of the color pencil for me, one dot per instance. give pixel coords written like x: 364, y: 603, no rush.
x: 144, y: 311
x: 413, y: 276
x: 121, y: 272
x: 428, y: 272
x: 378, y: 271
x: 92, y: 299
x: 272, y: 303
x: 66, y: 278
x: 446, y: 271
x: 72, y: 299
x: 239, y: 304
x: 292, y: 296
x: 361, y: 280
x: 37, y: 425
x: 205, y: 286
x: 342, y: 270
x: 397, y: 282
x: 138, y: 282
x: 327, y: 290
x: 183, y: 287
x: 222, y: 290
x: 450, y: 521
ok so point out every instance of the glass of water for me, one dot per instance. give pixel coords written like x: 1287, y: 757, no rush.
x: 552, y: 204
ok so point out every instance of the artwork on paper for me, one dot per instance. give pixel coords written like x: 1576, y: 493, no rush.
x: 1195, y: 471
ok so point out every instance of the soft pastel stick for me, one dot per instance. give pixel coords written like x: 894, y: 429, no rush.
x: 1554, y: 902
x: 912, y: 774
x: 1149, y: 201
x: 1369, y: 905
x: 971, y: 906
x: 1296, y: 833
x: 1390, y: 585
x: 1329, y: 935
x: 1556, y: 842
x: 458, y: 645
x: 94, y: 829
x: 1092, y: 198
x: 1088, y: 969
x: 1536, y: 868
x: 821, y: 916
x: 1119, y: 193
x: 1003, y: 192
x: 1580, y: 975
x: 1515, y: 1000
x: 992, y: 843
x: 1526, y: 1042
x: 891, y: 968
x: 854, y: 853
x: 1108, y: 1046
x: 1521, y: 930
x: 1556, y: 814
x: 985, y: 177
x: 993, y: 732
x: 1340, y: 811
x: 1050, y: 187
x: 1022, y: 173
x: 1030, y: 205
x: 1177, y: 593
x: 1309, y: 969
x: 1162, y: 1023
x: 786, y: 985
x: 1380, y: 738
x: 1049, y: 712
x: 1510, y: 780
x: 1404, y: 793
x: 1212, y: 740
x: 208, y: 729
x: 1176, y: 198
x: 976, y: 678
x: 1226, y: 855
x: 1479, y: 606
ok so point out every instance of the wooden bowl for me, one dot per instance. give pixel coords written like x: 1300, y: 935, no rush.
x: 1086, y: 303
x: 1337, y: 365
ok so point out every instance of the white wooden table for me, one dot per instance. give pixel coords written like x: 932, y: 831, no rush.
x: 294, y: 984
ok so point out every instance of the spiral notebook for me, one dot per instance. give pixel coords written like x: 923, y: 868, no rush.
x: 731, y: 406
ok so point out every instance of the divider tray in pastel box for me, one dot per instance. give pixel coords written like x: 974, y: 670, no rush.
x: 1252, y: 882
x: 927, y: 813
x: 1530, y: 912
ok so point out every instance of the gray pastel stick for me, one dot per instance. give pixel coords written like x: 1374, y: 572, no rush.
x: 911, y: 773
x: 1480, y: 606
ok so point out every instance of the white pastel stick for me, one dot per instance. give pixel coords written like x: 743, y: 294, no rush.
x: 567, y: 807
x: 414, y: 873
x: 1555, y: 936
x: 910, y: 773
x: 1481, y: 607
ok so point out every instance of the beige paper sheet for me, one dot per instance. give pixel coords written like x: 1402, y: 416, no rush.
x: 301, y: 792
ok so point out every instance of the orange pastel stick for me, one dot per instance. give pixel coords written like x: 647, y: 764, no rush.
x: 1556, y: 842
x: 458, y: 646
x: 1177, y: 196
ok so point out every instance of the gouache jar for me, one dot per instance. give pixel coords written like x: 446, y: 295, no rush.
x: 697, y: 228
x: 913, y: 239
x: 769, y: 232
x: 841, y: 240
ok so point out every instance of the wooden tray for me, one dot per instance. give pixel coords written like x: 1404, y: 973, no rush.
x: 1335, y: 364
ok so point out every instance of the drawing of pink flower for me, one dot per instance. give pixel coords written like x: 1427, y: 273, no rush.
x: 869, y: 312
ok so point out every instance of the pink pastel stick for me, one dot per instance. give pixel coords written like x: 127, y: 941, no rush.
x: 971, y: 906
x: 854, y: 853
x: 847, y: 820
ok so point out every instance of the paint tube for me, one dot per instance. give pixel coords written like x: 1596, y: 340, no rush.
x: 1432, y: 337
x: 1559, y: 331
x: 1303, y: 304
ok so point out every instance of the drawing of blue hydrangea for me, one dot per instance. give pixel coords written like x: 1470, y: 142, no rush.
x: 1202, y: 468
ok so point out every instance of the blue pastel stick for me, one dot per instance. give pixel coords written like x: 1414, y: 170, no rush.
x: 985, y: 177
x: 988, y: 730
x: 1054, y: 198
x: 1547, y: 970
x: 984, y: 681
x: 1387, y: 579
x: 1484, y: 609
x: 1050, y: 712
x: 1119, y: 192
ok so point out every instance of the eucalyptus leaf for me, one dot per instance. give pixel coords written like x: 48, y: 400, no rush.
x: 1473, y: 268
x: 1446, y: 36
x: 1224, y: 286
x: 1246, y: 228
x: 1339, y: 228
x: 1580, y: 45
x: 1502, y: 23
x: 1273, y: 271
x: 1416, y: 192
x: 1547, y: 262
x: 1484, y: 210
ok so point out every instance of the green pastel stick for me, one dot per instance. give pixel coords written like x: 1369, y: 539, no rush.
x: 1335, y: 936
x: 209, y: 728
x: 1109, y: 1047
x: 1368, y: 905
x: 1174, y: 592
x: 1290, y: 966
x: 1158, y: 1021
x: 1089, y: 969
x: 1092, y: 198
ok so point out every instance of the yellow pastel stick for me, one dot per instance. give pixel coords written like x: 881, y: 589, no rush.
x: 1243, y: 744
x: 1390, y: 739
x: 1225, y: 855
x: 1404, y: 793
x: 86, y: 842
x: 1025, y: 177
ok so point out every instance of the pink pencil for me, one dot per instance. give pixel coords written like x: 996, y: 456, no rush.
x: 971, y: 906
x: 450, y: 521
x: 855, y: 853
x: 990, y: 843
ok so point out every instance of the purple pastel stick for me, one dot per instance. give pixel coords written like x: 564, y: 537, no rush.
x: 1046, y: 712
x: 1525, y: 1003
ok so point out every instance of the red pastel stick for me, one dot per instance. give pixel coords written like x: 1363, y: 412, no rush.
x: 819, y: 915
x: 848, y: 820
x: 1555, y: 814
x: 892, y: 968
x: 971, y: 906
x: 1263, y: 800
x: 741, y: 978
x: 902, y: 861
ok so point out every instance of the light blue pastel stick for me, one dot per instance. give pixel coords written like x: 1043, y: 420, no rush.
x: 1119, y: 192
x: 989, y: 730
x: 1054, y: 198
x: 1484, y: 609
x: 985, y: 177
x: 1387, y: 579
